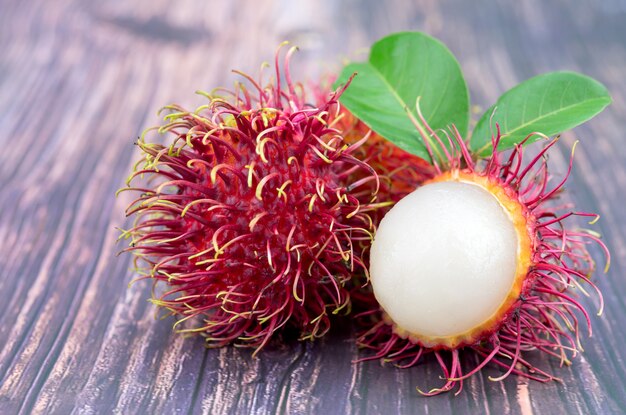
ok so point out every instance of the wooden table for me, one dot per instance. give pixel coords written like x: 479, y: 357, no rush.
x: 79, y: 80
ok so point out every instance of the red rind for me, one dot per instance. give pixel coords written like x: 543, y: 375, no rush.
x: 256, y: 215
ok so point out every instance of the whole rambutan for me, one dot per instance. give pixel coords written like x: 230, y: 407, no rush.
x: 255, y: 215
x: 478, y: 261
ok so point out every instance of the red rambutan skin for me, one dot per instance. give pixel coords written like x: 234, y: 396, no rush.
x: 256, y: 215
x: 545, y: 317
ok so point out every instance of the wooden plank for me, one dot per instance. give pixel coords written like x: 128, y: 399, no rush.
x: 80, y: 80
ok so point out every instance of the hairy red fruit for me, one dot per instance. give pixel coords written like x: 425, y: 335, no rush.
x: 256, y: 215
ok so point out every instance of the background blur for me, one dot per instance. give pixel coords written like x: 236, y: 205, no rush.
x: 80, y: 80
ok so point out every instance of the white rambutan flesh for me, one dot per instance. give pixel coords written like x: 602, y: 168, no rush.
x: 445, y: 261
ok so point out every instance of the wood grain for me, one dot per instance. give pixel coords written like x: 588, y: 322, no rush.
x: 79, y: 80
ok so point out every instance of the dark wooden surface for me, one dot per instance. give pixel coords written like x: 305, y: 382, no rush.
x: 79, y: 80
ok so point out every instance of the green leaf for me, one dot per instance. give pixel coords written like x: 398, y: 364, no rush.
x: 548, y: 104
x: 401, y: 68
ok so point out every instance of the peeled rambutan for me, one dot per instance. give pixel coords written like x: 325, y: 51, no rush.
x: 478, y: 261
x: 256, y: 214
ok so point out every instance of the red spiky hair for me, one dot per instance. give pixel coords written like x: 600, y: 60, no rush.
x: 545, y: 314
x: 256, y: 214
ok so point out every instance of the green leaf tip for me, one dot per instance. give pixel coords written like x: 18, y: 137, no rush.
x: 548, y: 104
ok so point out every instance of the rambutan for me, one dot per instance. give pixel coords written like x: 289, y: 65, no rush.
x: 478, y: 261
x: 256, y: 214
